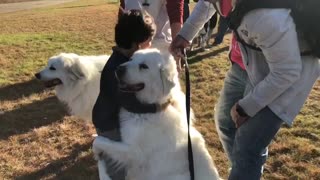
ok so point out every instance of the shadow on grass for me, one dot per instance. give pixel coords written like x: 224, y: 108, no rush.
x: 194, y: 52
x: 19, y: 90
x: 70, y: 7
x: 70, y: 167
x: 211, y: 53
x: 30, y: 116
x: 113, y: 1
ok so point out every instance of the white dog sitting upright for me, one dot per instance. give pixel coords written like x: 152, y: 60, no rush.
x: 76, y: 80
x: 154, y: 146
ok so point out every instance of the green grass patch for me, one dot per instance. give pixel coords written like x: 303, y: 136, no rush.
x: 36, y: 48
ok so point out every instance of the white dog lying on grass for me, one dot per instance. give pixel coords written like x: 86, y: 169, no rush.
x: 76, y: 80
x: 154, y: 146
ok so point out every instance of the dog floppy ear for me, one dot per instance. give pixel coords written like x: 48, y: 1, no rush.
x: 75, y: 69
x: 167, y: 80
x: 168, y: 74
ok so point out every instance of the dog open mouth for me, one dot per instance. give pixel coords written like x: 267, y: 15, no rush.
x: 52, y: 83
x: 131, y: 87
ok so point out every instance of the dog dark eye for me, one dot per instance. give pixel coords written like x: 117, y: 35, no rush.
x: 143, y: 66
x: 52, y: 68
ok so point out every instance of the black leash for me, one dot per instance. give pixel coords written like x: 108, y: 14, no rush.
x: 190, y: 153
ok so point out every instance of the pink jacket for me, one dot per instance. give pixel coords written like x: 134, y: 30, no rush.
x: 196, y: 20
x: 235, y: 53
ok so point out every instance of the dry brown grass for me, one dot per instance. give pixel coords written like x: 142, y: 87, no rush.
x: 14, y: 1
x: 38, y: 140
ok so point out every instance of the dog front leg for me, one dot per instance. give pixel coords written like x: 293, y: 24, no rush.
x: 118, y: 151
x: 102, y: 169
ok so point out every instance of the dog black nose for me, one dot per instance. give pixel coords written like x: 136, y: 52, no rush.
x: 121, y: 70
x: 38, y: 76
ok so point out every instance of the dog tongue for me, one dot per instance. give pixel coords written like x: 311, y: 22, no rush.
x: 57, y: 81
x: 132, y: 88
x: 53, y: 82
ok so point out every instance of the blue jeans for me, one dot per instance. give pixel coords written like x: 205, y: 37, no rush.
x: 246, y: 147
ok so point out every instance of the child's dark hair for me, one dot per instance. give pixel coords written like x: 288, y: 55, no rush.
x: 133, y: 27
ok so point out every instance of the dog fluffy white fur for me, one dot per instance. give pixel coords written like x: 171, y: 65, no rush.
x: 154, y: 146
x: 76, y: 80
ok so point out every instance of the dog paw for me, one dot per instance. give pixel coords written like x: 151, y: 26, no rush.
x: 98, y: 146
x: 97, y: 153
x: 101, y: 140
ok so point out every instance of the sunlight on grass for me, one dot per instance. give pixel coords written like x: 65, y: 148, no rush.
x: 37, y: 48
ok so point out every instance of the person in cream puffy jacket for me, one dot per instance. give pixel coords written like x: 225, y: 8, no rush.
x: 277, y: 81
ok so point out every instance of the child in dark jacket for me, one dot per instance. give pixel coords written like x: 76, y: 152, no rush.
x: 133, y: 31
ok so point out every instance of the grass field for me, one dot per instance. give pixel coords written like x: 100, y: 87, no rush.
x: 38, y: 140
x: 14, y: 1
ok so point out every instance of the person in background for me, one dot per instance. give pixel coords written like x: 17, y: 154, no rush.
x: 111, y: 99
x: 168, y: 17
x: 222, y: 29
x: 209, y: 27
x: 186, y: 10
x: 205, y: 33
x: 253, y: 105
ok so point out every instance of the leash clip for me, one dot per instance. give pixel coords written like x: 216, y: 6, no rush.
x: 184, y: 59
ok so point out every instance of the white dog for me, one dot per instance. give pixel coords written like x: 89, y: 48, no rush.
x: 154, y: 146
x: 76, y: 80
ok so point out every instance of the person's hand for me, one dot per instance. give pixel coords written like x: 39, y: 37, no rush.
x: 176, y: 48
x: 177, y: 45
x: 236, y: 117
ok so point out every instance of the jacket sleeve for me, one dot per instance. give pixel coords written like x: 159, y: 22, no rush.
x: 202, y: 12
x: 106, y: 109
x: 105, y: 113
x: 175, y: 11
x: 122, y: 5
x: 276, y: 35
